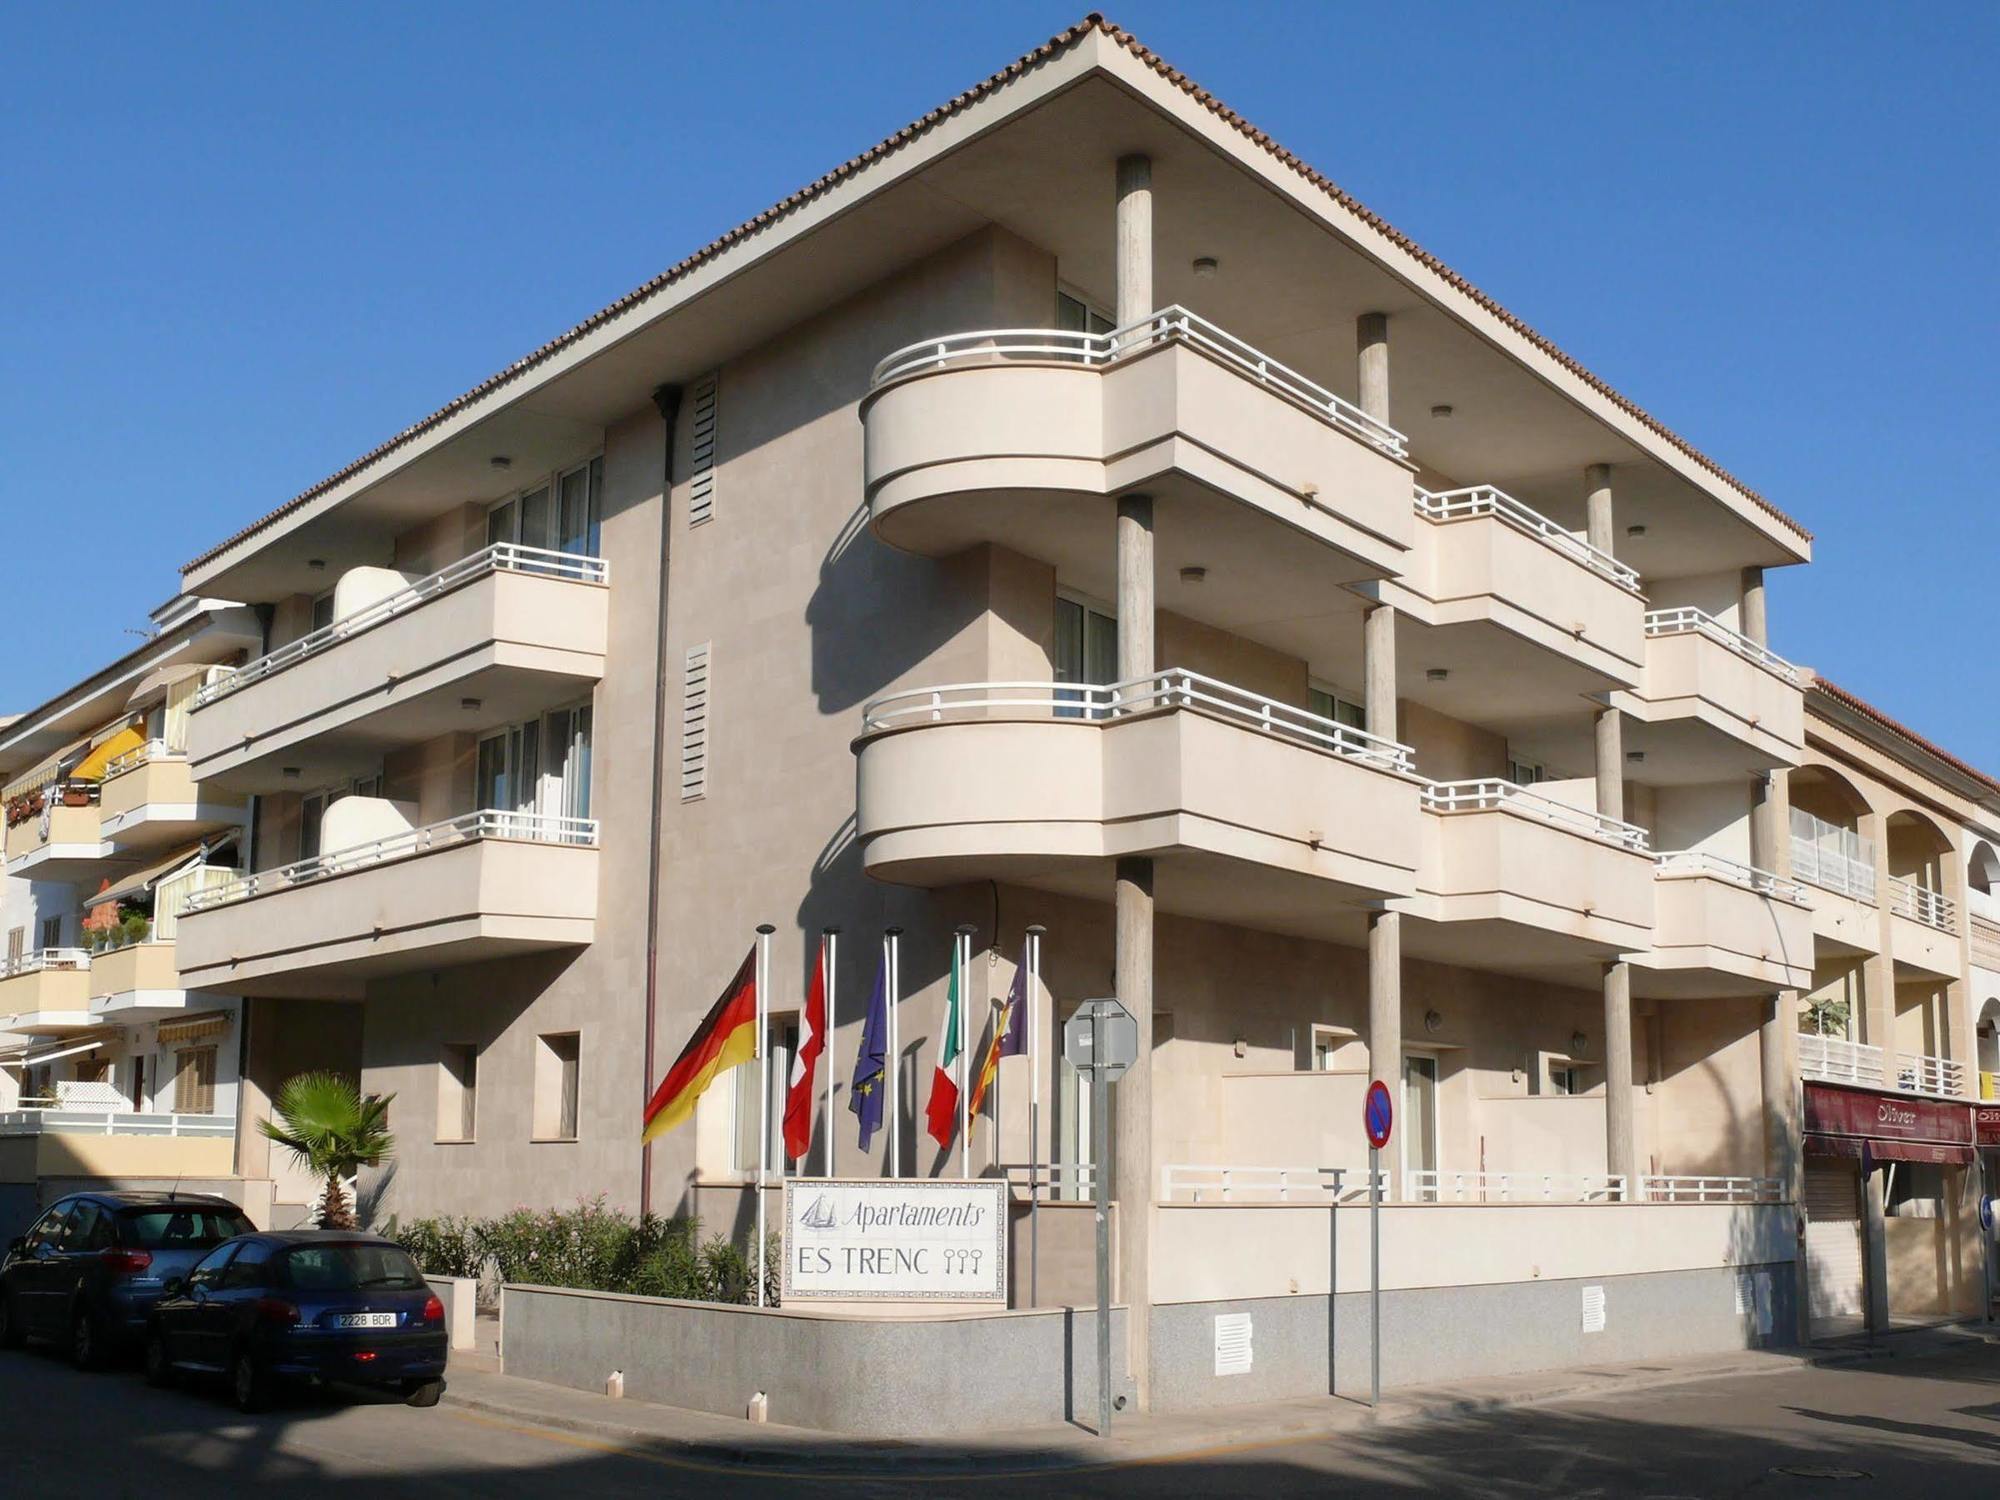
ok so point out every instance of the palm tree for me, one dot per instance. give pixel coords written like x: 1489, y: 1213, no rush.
x: 333, y: 1132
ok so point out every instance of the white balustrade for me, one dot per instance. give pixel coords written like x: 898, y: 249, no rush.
x: 42, y: 959
x: 1923, y: 1073
x: 112, y: 1122
x: 1703, y: 862
x: 1686, y: 618
x: 1200, y: 1182
x: 1831, y: 857
x: 1448, y: 797
x: 1908, y: 899
x: 1833, y: 1059
x: 1484, y: 500
x: 1713, y: 1189
x: 1516, y: 1187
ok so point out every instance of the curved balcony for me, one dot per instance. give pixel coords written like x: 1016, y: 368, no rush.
x: 492, y: 639
x: 1018, y: 436
x: 1517, y: 877
x: 1721, y: 927
x: 1708, y: 694
x: 1485, y: 561
x: 1257, y: 812
x: 485, y: 885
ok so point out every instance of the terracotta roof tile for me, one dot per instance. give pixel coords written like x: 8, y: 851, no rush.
x: 1902, y: 731
x: 1056, y: 44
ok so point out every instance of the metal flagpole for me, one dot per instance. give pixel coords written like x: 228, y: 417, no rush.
x: 764, y: 932
x: 1032, y: 996
x: 830, y: 976
x: 892, y: 948
x: 962, y: 953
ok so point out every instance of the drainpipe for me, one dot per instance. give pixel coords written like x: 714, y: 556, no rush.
x: 668, y: 399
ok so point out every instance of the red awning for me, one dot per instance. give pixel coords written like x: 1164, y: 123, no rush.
x: 1832, y: 1145
x: 1924, y: 1151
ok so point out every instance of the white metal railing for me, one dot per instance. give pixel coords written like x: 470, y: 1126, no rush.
x: 1175, y: 687
x: 138, y: 756
x: 1908, y: 899
x: 44, y: 959
x: 1198, y: 1182
x: 112, y: 1122
x: 542, y: 828
x: 1059, y: 1181
x: 1687, y: 618
x: 1490, y: 795
x: 1923, y: 1073
x: 1712, y: 1189
x: 1831, y: 857
x: 501, y: 557
x: 1834, y: 1059
x: 1516, y: 1187
x: 1096, y: 350
x: 1702, y: 862
x: 1485, y: 500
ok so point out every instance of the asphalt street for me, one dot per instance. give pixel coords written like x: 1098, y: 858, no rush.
x: 1893, y: 1426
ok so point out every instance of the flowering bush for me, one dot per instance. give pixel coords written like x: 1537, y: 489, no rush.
x: 590, y: 1247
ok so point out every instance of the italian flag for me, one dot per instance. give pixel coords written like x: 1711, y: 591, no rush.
x: 941, y: 1114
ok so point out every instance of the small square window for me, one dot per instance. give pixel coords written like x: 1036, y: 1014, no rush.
x: 558, y: 1066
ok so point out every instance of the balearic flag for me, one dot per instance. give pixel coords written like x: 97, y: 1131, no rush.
x: 812, y: 1042
x: 1015, y: 1042
x: 941, y: 1114
x: 871, y: 1073
x: 726, y: 1037
x: 1009, y: 1039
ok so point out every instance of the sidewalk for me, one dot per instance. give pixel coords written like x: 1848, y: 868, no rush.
x: 700, y: 1438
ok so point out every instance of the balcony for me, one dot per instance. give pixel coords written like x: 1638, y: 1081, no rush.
x: 1259, y: 813
x: 150, y: 799
x: 1718, y: 923
x: 1832, y: 1059
x: 1523, y: 873
x: 486, y: 885
x: 46, y: 992
x: 1020, y: 436
x: 1710, y: 693
x: 1923, y: 1073
x: 493, y: 639
x: 1484, y: 558
x: 1923, y: 929
x: 137, y: 982
x: 57, y: 836
x: 1839, y: 865
x: 71, y: 1143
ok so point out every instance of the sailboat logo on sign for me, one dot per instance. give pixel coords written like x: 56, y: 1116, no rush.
x: 819, y: 1215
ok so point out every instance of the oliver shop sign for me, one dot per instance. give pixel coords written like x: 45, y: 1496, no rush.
x: 1986, y: 1124
x: 1889, y: 1127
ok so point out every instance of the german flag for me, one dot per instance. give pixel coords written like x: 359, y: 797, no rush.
x: 726, y: 1037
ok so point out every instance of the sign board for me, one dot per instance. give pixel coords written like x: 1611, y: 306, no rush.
x: 869, y: 1240
x: 1377, y: 1114
x: 1986, y: 1124
x: 1892, y: 1127
x: 1121, y: 1038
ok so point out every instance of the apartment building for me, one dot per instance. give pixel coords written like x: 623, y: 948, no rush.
x: 1077, y: 513
x: 113, y: 1069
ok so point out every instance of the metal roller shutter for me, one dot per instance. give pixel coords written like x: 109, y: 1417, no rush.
x: 1833, y: 1240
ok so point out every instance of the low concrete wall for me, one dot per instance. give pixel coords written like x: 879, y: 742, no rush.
x: 899, y: 1378
x: 460, y: 1296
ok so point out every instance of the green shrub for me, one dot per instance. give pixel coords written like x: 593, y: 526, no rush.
x: 444, y: 1246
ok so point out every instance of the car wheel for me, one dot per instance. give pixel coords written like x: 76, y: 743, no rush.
x: 159, y: 1368
x: 11, y: 1336
x: 426, y: 1394
x: 248, y: 1384
x: 86, y: 1349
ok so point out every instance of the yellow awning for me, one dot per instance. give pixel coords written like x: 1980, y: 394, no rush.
x: 194, y: 1028
x: 91, y: 767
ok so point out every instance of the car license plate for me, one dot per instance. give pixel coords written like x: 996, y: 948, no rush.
x: 364, y: 1320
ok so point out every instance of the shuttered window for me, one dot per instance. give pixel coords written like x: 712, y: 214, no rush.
x: 701, y: 453
x: 194, y: 1081
x: 694, y: 724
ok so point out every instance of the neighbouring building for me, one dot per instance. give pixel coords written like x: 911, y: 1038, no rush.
x: 1337, y: 672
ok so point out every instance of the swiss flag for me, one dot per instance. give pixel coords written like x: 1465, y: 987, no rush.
x: 812, y: 1042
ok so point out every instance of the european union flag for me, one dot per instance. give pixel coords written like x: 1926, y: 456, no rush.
x: 871, y: 1078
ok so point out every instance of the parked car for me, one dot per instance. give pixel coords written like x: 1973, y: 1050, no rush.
x: 90, y: 1269
x: 304, y: 1305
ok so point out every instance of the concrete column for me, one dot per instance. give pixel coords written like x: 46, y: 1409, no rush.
x: 1378, y: 669
x: 1875, y: 1251
x: 1597, y: 507
x: 1371, y: 343
x: 1611, y: 763
x: 1134, y: 1150
x: 1763, y: 823
x: 1621, y: 1155
x: 1135, y: 238
x: 1385, y: 1023
x: 1135, y: 587
x: 1778, y: 1060
x: 1756, y: 624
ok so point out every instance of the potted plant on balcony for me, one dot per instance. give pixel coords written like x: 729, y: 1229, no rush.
x: 332, y: 1131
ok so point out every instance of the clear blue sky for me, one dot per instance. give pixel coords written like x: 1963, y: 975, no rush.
x: 243, y: 244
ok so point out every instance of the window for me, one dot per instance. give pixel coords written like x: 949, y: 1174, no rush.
x: 183, y: 1227
x: 1525, y: 772
x: 781, y: 1040
x: 1418, y: 1118
x: 1325, y: 1046
x: 247, y: 1269
x: 1915, y: 1190
x: 86, y: 1223
x: 17, y: 946
x: 542, y: 766
x: 48, y: 1229
x: 92, y: 1070
x: 458, y: 1091
x: 560, y: 514
x: 312, y: 814
x: 1074, y: 315
x: 209, y: 1271
x: 136, y: 1080
x: 1086, y: 647
x: 1331, y: 703
x: 347, y: 1267
x: 1564, y: 1079
x: 194, y: 1081
x: 322, y: 610
x: 52, y: 932
x: 558, y: 1063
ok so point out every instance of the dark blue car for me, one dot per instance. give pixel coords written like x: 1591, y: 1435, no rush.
x: 303, y: 1305
x: 89, y: 1270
